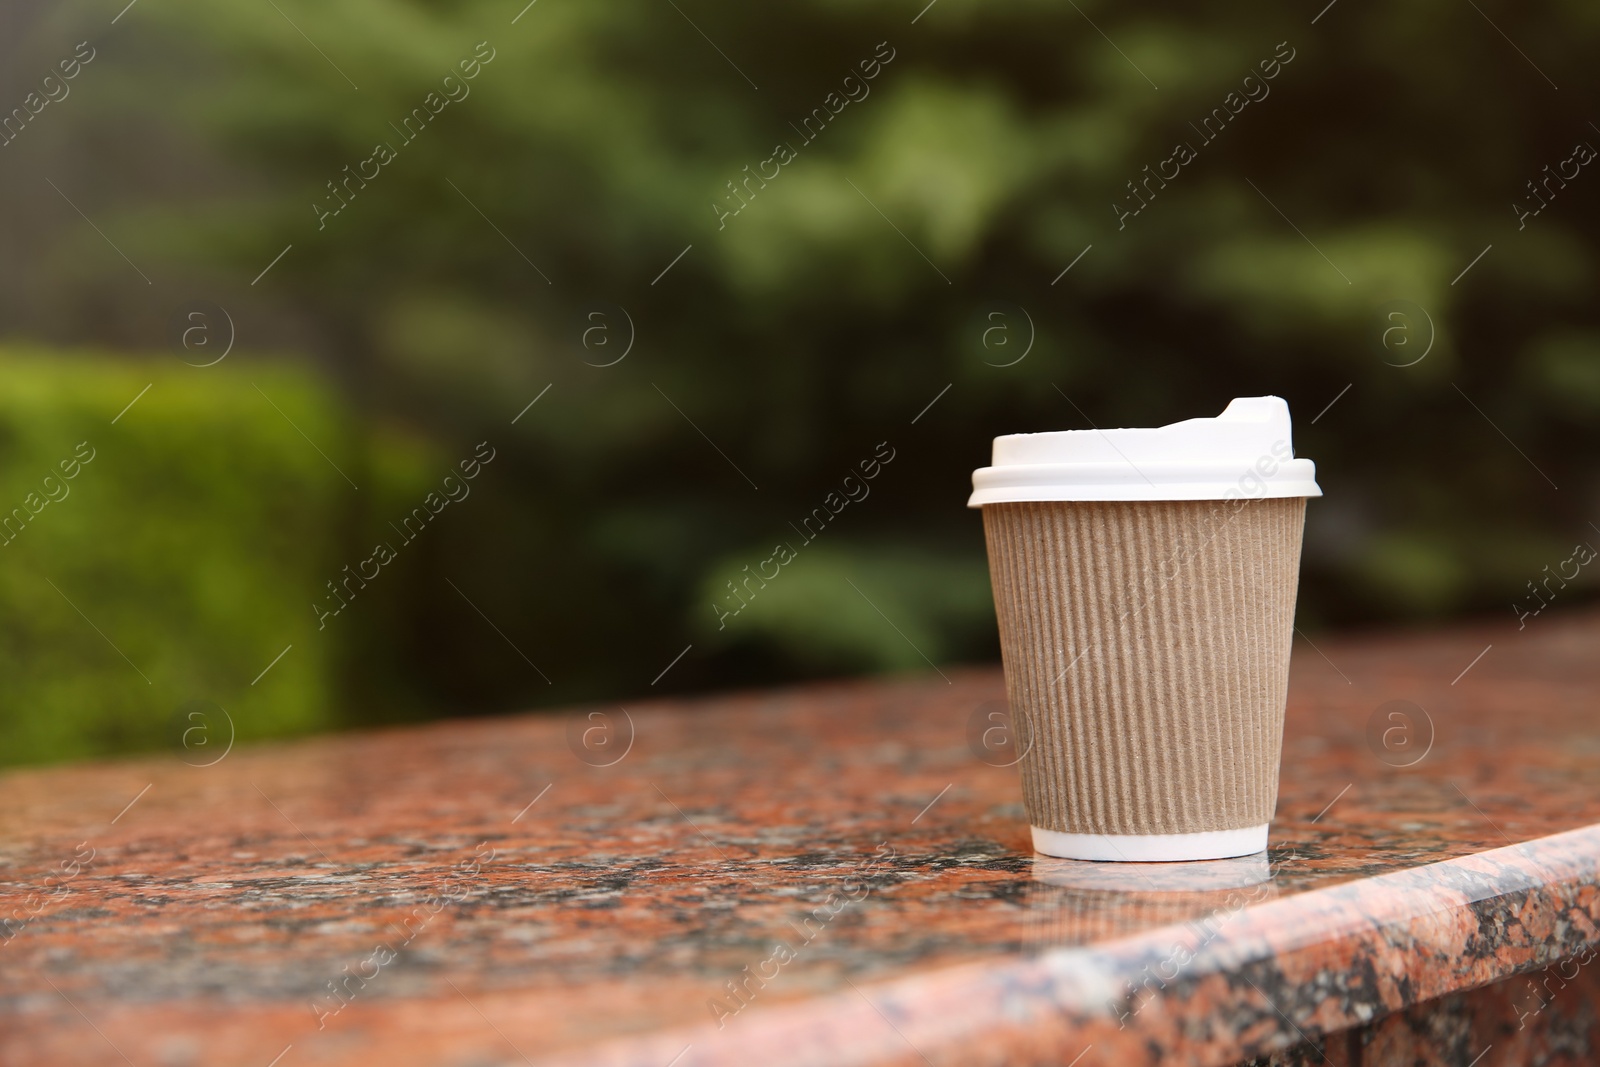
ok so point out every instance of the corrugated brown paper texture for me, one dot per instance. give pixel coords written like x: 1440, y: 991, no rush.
x: 1146, y: 649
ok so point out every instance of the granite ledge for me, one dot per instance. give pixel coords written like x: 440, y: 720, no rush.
x: 1263, y: 978
x: 222, y: 901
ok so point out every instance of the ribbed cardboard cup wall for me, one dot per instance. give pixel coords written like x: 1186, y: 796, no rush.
x: 1146, y: 649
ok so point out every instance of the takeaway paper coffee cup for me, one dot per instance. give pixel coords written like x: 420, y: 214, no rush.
x: 1144, y: 581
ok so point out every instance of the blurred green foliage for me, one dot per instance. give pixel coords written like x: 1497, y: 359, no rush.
x: 144, y: 561
x: 585, y: 170
x: 939, y: 606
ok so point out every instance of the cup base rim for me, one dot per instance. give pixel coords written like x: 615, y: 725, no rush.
x: 1151, y: 848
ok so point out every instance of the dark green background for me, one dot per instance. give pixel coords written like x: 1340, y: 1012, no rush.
x: 797, y: 337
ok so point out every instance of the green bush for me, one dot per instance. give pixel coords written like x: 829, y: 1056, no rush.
x: 161, y: 555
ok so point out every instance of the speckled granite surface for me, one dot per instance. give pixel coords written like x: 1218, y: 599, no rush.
x: 473, y: 893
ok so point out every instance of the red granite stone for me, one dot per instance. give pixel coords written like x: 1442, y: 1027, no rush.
x: 835, y: 851
x: 1547, y: 1018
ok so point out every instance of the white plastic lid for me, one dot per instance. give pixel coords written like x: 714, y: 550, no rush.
x: 1246, y: 452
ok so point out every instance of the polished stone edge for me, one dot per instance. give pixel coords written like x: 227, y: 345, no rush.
x: 1249, y: 980
x: 1151, y: 848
